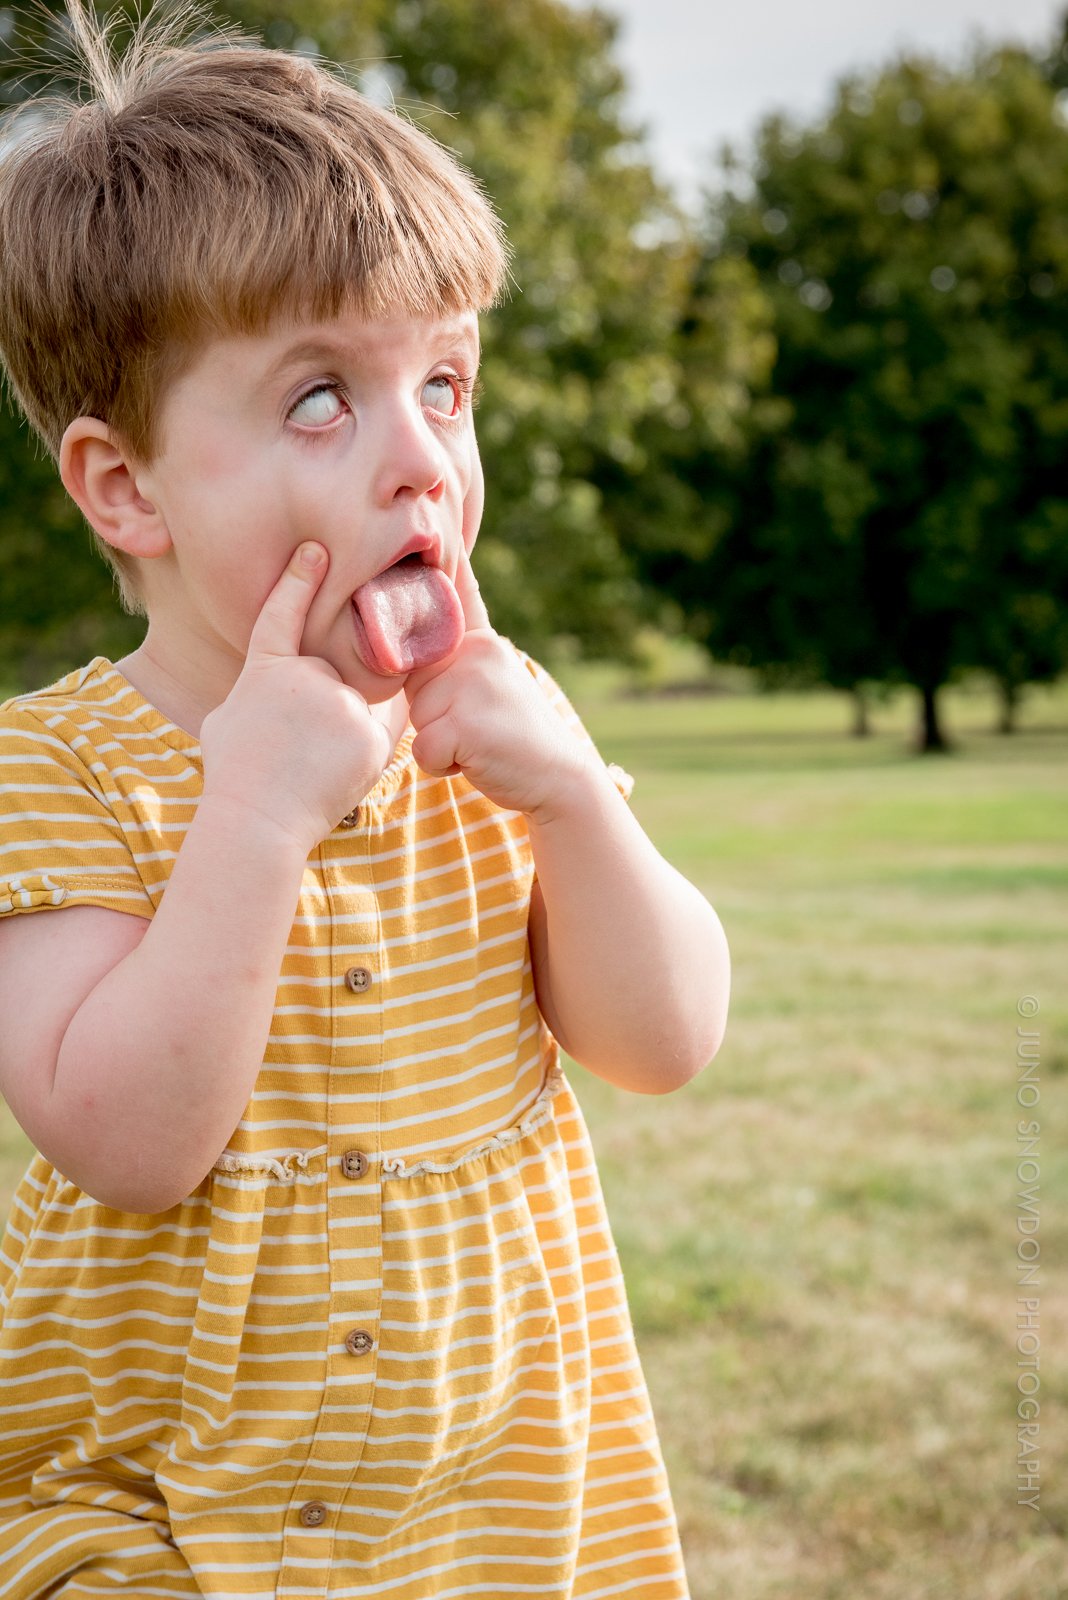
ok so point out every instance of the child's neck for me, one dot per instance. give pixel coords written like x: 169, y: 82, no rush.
x: 182, y: 704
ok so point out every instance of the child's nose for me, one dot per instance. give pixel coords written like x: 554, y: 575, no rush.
x: 411, y: 462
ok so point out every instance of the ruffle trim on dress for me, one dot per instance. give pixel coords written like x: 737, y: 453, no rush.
x: 294, y: 1165
x: 284, y: 1167
x: 540, y: 1111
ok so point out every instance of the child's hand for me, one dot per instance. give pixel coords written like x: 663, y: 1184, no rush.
x: 291, y: 742
x: 480, y: 712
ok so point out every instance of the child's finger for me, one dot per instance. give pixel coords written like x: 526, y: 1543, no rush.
x: 466, y: 584
x: 279, y: 627
x: 434, y: 748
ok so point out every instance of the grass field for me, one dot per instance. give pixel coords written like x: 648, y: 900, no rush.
x: 819, y: 1233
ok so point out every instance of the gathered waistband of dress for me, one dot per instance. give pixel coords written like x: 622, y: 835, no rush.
x: 295, y: 1164
x: 539, y: 1111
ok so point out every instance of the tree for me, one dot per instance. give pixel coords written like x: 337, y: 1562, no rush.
x: 57, y: 601
x: 895, y: 512
x: 57, y: 604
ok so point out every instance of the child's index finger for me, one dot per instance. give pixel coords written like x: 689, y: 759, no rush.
x: 279, y: 628
x: 466, y: 586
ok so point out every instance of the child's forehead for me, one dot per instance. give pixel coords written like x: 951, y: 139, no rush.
x: 351, y: 336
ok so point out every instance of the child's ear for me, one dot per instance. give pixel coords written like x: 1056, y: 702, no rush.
x: 100, y: 480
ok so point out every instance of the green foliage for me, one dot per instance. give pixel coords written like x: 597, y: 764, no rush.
x: 896, y: 512
x: 57, y: 605
x: 57, y: 600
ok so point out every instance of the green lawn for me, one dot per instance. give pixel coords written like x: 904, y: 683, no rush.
x: 819, y: 1232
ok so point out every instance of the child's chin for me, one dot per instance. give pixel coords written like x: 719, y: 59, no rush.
x: 375, y: 688
x: 385, y: 689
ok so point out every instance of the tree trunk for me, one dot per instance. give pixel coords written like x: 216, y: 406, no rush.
x: 932, y: 739
x: 861, y: 726
x: 1010, y: 704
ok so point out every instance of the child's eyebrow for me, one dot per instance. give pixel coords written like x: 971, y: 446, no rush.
x: 309, y: 352
x: 462, y: 333
x: 316, y: 350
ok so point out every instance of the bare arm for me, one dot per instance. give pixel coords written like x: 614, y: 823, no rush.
x: 630, y: 962
x: 130, y: 1049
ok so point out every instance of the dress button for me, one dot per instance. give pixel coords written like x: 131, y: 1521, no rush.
x: 359, y: 979
x: 313, y: 1515
x: 358, y: 1342
x: 354, y: 1163
x: 351, y: 819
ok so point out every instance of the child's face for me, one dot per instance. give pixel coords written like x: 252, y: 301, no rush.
x: 356, y: 434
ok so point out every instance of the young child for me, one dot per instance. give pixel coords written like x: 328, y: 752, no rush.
x: 310, y: 1290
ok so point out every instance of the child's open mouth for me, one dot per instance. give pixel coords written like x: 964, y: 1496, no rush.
x: 406, y: 617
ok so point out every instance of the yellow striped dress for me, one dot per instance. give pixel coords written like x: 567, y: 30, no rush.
x: 383, y: 1350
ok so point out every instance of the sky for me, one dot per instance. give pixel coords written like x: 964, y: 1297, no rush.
x: 705, y: 71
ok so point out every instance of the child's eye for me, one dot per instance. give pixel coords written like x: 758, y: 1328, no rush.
x: 442, y: 393
x: 319, y: 407
x: 445, y: 392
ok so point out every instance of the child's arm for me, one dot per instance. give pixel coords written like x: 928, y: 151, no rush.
x: 129, y: 1050
x: 631, y: 965
x: 630, y: 962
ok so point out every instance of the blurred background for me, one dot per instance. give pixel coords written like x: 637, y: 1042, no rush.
x: 774, y: 425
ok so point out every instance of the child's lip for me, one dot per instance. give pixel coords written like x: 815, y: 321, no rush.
x: 426, y: 545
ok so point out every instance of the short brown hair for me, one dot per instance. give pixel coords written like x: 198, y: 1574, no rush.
x: 208, y: 187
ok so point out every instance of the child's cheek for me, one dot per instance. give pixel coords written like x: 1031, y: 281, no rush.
x: 282, y: 515
x: 306, y: 509
x: 474, y: 500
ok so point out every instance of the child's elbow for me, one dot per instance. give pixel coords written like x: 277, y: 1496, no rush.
x: 679, y: 1067
x: 133, y: 1198
x: 140, y: 1187
x: 699, y: 1032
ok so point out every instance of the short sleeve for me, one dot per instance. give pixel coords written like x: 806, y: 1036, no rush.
x: 557, y: 698
x: 60, y: 842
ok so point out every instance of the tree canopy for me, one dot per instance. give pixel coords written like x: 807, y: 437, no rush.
x: 895, y: 511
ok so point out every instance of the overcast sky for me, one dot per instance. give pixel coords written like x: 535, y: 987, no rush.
x: 702, y: 71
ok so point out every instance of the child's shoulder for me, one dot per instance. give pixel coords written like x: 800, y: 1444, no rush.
x: 557, y: 698
x: 548, y: 684
x: 94, y: 702
x: 90, y: 721
x: 61, y: 715
x: 67, y: 778
x: 49, y: 739
x: 70, y: 696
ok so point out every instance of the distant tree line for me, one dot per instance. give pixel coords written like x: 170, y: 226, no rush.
x: 896, y: 509
x: 820, y: 428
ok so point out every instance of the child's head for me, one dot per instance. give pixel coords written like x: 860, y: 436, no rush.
x: 208, y: 190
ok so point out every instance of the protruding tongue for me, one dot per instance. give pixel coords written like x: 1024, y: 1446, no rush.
x: 411, y: 616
